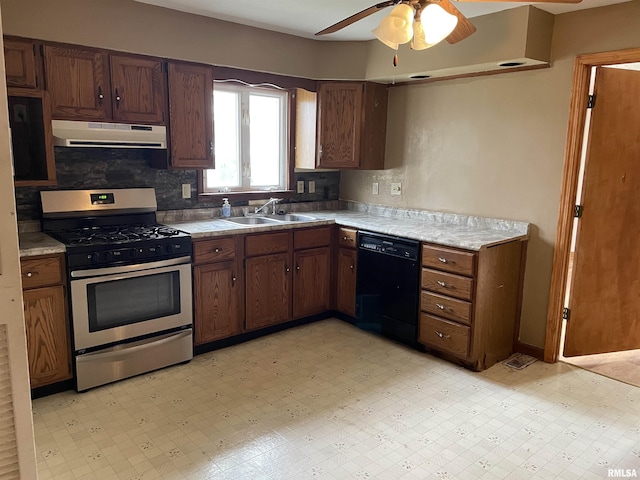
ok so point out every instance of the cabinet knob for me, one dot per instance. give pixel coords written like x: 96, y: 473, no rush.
x: 117, y: 99
x: 442, y: 335
x: 298, y: 267
x: 346, y: 239
x: 100, y: 96
x: 287, y: 269
x: 440, y: 306
x: 320, y: 151
x: 352, y: 266
x: 29, y: 274
x: 443, y: 260
x: 217, y: 250
x: 441, y: 283
x: 233, y: 279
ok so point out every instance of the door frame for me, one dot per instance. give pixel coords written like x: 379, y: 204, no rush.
x: 573, y: 150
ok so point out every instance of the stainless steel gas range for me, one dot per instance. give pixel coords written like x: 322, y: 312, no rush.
x: 129, y: 282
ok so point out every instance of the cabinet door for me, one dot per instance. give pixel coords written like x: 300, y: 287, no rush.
x: 191, y: 115
x: 339, y: 124
x: 78, y: 82
x: 217, y: 302
x: 137, y: 88
x: 268, y: 290
x: 47, y: 336
x: 20, y: 64
x: 346, y: 294
x: 31, y: 137
x: 311, y: 286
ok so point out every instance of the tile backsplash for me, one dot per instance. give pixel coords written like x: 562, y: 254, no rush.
x: 86, y: 168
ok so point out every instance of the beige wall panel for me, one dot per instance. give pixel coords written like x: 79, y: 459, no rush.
x: 136, y: 27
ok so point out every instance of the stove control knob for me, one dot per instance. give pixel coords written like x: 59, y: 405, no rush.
x: 93, y: 257
x: 169, y: 248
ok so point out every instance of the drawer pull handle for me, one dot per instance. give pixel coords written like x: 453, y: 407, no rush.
x: 346, y: 239
x: 442, y: 259
x: 442, y: 335
x: 441, y: 283
x: 440, y: 306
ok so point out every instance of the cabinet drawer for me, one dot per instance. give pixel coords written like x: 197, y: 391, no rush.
x: 41, y: 271
x: 266, y: 243
x: 447, y: 284
x: 446, y: 307
x: 214, y: 250
x: 444, y: 335
x: 448, y: 259
x: 347, y: 237
x: 312, y: 238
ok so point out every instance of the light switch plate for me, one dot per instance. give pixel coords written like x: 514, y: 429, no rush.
x: 186, y: 190
x: 300, y: 186
x: 396, y: 188
x: 312, y: 186
x: 375, y: 188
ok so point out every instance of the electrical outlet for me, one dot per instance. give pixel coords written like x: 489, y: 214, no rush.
x: 396, y: 188
x: 374, y: 188
x: 186, y: 190
x: 300, y: 186
x: 312, y: 186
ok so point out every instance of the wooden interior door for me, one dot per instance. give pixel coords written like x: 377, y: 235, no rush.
x: 605, y: 295
x: 137, y: 87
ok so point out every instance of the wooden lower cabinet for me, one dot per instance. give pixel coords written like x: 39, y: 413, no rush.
x: 268, y: 290
x: 346, y: 284
x: 470, y: 302
x: 218, y: 302
x: 312, y: 279
x: 47, y: 335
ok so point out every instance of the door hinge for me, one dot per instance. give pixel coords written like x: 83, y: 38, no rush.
x: 591, y: 101
x: 566, y: 314
x: 577, y: 211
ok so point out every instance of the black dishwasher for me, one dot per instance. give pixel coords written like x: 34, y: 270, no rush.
x: 388, y: 286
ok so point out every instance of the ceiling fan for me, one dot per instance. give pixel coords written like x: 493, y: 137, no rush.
x: 423, y: 22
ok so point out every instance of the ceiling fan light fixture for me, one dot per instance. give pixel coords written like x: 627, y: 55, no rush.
x: 419, y: 42
x: 397, y: 27
x: 437, y: 23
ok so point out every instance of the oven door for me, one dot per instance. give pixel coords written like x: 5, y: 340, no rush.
x: 113, y: 304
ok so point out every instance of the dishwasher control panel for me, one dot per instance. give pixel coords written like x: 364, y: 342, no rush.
x: 397, y: 247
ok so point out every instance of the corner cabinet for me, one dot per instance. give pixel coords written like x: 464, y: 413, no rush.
x: 190, y: 89
x: 23, y: 63
x: 218, y: 288
x: 470, y: 302
x: 45, y: 314
x: 351, y: 125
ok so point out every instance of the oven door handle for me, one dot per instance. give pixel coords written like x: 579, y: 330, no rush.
x: 96, y: 272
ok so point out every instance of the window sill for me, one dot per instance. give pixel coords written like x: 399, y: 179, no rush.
x: 245, y: 196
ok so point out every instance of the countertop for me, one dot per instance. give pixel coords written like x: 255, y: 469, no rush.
x: 461, y: 231
x: 38, y: 243
x: 472, y: 233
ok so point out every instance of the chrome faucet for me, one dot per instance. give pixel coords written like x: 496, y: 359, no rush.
x: 273, y: 201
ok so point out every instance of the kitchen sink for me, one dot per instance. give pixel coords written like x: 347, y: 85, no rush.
x: 251, y: 220
x: 292, y: 217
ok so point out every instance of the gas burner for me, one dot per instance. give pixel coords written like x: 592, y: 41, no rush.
x: 116, y: 234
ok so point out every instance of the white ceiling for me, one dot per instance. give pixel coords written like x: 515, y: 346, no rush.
x: 305, y: 17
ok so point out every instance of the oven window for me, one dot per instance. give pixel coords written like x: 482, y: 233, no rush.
x: 132, y: 300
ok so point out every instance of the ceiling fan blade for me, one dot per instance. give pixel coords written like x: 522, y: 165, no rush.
x: 537, y: 1
x: 463, y: 29
x: 357, y: 16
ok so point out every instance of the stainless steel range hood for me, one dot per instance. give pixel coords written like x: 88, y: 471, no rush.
x: 68, y: 133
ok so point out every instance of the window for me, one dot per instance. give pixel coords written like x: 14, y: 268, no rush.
x: 251, y: 133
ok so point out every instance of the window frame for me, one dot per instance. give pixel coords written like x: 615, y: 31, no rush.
x: 261, y: 78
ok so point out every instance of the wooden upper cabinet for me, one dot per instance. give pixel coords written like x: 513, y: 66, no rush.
x: 190, y: 115
x: 78, y: 82
x: 351, y: 129
x: 22, y: 64
x: 137, y: 89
